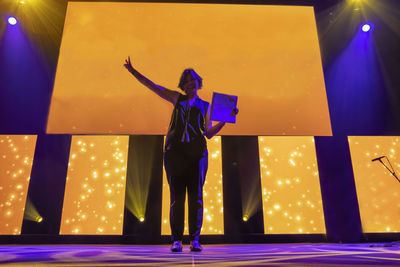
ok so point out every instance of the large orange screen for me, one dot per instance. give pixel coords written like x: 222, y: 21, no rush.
x: 267, y: 55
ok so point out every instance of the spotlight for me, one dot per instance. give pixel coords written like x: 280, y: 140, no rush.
x: 245, y: 218
x: 39, y: 219
x: 141, y: 219
x: 12, y: 20
x: 366, y: 27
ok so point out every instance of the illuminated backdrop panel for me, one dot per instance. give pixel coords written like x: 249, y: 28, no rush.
x: 213, y: 217
x: 95, y: 188
x: 267, y: 55
x: 378, y: 192
x: 291, y: 191
x: 16, y: 159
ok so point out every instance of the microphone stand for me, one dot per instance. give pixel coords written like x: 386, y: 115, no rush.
x: 392, y: 171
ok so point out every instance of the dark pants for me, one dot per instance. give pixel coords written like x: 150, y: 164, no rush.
x: 185, y: 173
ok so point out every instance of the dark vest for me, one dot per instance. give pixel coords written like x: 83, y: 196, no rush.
x: 187, y: 128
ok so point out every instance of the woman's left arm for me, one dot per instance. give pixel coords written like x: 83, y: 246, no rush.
x: 213, y: 130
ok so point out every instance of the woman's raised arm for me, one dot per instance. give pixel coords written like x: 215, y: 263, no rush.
x: 167, y: 94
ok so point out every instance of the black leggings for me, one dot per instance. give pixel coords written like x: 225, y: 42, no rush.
x: 185, y: 172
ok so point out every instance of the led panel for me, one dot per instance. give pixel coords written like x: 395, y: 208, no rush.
x: 213, y: 217
x: 267, y: 55
x: 16, y: 159
x: 378, y: 191
x: 95, y: 189
x: 291, y: 191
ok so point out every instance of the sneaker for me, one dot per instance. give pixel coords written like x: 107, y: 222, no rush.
x: 195, y: 246
x: 176, y: 246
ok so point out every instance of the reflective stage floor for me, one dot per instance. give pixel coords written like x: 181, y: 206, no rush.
x: 220, y: 255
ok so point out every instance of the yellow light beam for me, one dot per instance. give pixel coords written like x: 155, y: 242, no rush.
x: 31, y: 212
x: 141, y: 158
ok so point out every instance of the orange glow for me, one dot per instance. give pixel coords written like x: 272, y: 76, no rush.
x: 291, y: 191
x: 378, y: 192
x: 267, y: 55
x: 213, y: 217
x: 95, y: 189
x: 16, y: 159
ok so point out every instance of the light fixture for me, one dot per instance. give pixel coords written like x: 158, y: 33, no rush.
x: 366, y: 27
x: 12, y: 20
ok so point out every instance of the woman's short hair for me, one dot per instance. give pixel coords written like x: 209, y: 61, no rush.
x: 193, y: 74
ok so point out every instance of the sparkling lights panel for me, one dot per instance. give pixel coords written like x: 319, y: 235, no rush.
x: 290, y: 185
x: 95, y: 188
x: 16, y: 159
x: 213, y: 217
x: 378, y: 191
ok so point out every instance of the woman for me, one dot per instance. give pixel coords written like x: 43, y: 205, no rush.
x: 185, y: 154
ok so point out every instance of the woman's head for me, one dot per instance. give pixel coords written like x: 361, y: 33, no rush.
x: 190, y: 81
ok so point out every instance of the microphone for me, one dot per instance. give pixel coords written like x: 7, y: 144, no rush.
x: 378, y: 158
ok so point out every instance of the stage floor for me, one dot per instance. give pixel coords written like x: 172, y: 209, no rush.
x: 221, y: 255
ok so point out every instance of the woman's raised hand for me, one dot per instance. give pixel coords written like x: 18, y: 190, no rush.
x: 128, y: 65
x: 234, y: 112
